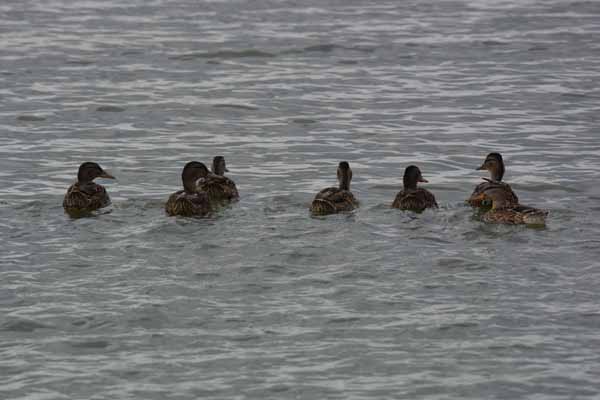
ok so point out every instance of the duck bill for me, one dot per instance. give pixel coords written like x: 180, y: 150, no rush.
x: 482, y: 168
x: 226, y: 170
x: 421, y: 179
x: 106, y: 175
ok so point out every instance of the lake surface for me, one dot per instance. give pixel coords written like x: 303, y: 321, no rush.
x: 261, y: 300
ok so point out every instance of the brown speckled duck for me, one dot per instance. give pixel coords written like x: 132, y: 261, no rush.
x: 219, y: 187
x: 190, y: 202
x: 332, y: 200
x: 411, y: 197
x: 495, y: 165
x: 85, y: 195
x: 505, y: 211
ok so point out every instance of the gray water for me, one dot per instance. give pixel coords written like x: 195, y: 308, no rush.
x: 261, y: 300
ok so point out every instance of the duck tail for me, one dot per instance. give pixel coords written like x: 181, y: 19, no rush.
x: 537, y: 217
x: 322, y: 207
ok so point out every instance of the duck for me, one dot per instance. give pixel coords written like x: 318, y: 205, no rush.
x: 333, y: 200
x: 85, y: 195
x: 495, y: 165
x: 219, y: 187
x: 505, y: 211
x: 190, y: 202
x: 412, y: 197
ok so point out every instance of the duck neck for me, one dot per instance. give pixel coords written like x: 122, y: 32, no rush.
x: 218, y: 169
x: 409, y: 184
x: 345, y: 182
x: 87, y: 186
x: 189, y: 186
x: 497, y: 173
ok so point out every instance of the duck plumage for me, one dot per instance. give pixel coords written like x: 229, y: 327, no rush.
x: 495, y: 165
x: 505, y: 211
x: 333, y: 200
x: 85, y: 195
x: 190, y: 201
x: 188, y: 204
x: 412, y: 197
x: 217, y: 186
x: 516, y: 215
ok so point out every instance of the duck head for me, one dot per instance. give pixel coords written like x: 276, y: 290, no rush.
x: 344, y: 175
x: 218, y: 166
x: 88, y: 171
x: 412, y: 175
x: 193, y: 171
x: 495, y: 165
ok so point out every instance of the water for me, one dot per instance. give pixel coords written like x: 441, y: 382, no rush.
x: 262, y: 301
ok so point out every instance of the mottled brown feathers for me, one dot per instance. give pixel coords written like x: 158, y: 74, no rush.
x: 88, y: 197
x: 506, y: 211
x: 411, y: 197
x: 515, y: 215
x: 85, y: 195
x: 415, y: 200
x: 494, y: 164
x: 188, y: 204
x: 218, y: 188
x: 333, y: 200
x: 479, y: 199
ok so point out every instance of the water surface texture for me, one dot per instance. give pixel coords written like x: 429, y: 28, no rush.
x: 263, y: 301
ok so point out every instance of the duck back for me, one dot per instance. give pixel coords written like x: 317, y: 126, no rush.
x: 516, y: 215
x: 219, y: 188
x: 333, y: 200
x: 415, y: 200
x: 479, y: 199
x: 89, y: 198
x: 187, y: 204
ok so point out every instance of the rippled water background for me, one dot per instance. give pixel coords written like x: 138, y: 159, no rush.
x: 263, y: 301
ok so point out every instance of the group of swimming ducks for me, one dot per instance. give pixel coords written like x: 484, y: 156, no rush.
x: 204, y: 191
